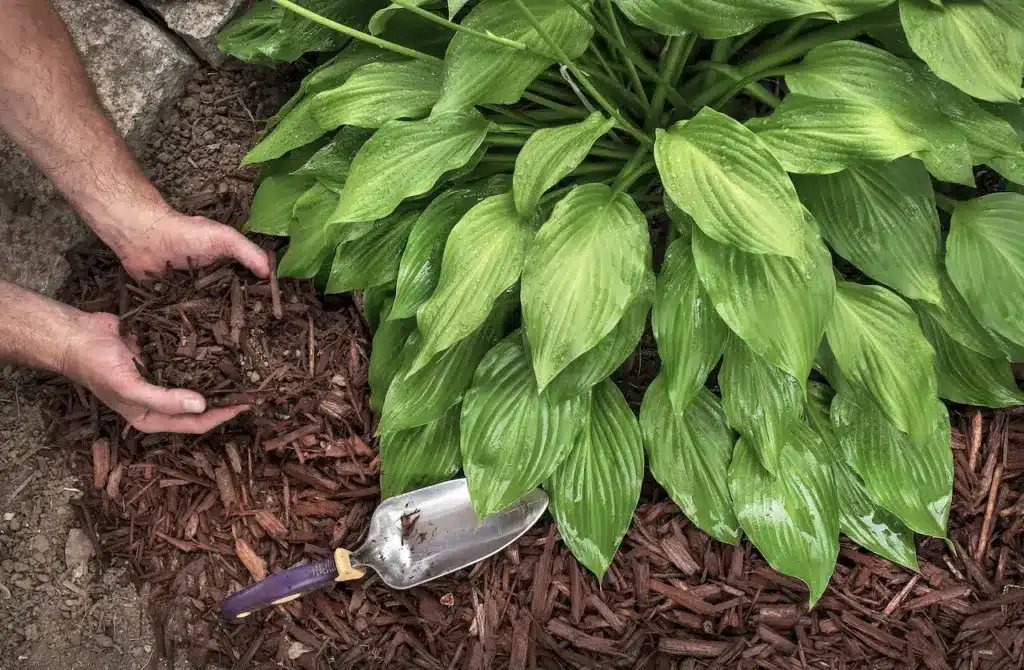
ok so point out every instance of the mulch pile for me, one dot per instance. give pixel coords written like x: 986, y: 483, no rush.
x: 297, y: 476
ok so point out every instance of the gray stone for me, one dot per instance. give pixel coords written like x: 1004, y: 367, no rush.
x: 198, y: 22
x: 136, y: 69
x: 40, y: 545
x: 78, y: 549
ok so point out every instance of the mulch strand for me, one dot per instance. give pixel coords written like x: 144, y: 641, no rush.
x: 199, y: 517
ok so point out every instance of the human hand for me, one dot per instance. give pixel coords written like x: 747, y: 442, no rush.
x: 98, y: 358
x: 149, y: 239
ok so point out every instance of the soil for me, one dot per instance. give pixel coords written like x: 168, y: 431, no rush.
x: 191, y: 519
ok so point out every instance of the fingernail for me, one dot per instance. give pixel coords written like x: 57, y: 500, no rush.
x: 194, y: 405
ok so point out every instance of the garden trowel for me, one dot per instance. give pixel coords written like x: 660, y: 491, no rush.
x: 413, y: 538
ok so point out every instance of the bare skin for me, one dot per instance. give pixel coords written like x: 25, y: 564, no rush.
x: 48, y: 107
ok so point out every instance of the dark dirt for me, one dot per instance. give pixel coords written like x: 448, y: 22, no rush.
x: 194, y: 518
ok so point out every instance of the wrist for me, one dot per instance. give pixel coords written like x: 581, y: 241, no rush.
x: 121, y: 225
x: 36, y: 331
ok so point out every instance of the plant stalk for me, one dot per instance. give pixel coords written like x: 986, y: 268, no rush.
x: 430, y: 16
x: 678, y: 51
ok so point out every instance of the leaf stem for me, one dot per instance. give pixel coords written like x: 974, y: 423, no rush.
x: 620, y: 43
x: 679, y: 49
x: 556, y: 48
x: 570, y: 112
x: 358, y: 34
x: 430, y: 16
x: 633, y: 170
x: 752, y: 87
x: 945, y: 203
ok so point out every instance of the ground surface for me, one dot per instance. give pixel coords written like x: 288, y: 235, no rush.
x: 194, y: 519
x: 51, y: 615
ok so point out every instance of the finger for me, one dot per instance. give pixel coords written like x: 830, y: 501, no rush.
x: 192, y: 424
x: 161, y: 400
x: 234, y: 244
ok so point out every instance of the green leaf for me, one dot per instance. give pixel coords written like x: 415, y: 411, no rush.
x: 985, y: 260
x: 420, y: 267
x: 247, y: 36
x: 665, y: 17
x: 878, y: 343
x: 272, y: 206
x: 379, y: 21
x: 792, y: 520
x: 860, y: 518
x: 478, y: 71
x: 882, y: 218
x: 779, y: 306
x: 455, y: 6
x: 956, y: 319
x: 386, y: 354
x: 552, y: 153
x: 587, y: 264
x: 374, y: 301
x: 330, y: 165
x: 968, y: 44
x: 689, y: 455
x: 913, y: 479
x: 310, y: 239
x: 596, y: 488
x: 419, y: 398
x: 848, y: 70
x: 380, y: 92
x: 600, y: 362
x: 761, y: 401
x: 967, y: 377
x: 372, y: 259
x: 513, y: 437
x: 420, y: 457
x: 405, y: 159
x: 689, y: 332
x: 483, y: 257
x: 725, y: 177
x: 822, y: 136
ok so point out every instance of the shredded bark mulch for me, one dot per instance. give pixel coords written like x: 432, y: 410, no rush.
x: 297, y: 476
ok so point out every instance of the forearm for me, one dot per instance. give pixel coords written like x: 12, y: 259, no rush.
x: 34, y: 330
x: 49, y: 108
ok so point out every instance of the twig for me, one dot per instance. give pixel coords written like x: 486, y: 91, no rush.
x: 901, y: 596
x: 275, y: 289
x: 312, y: 354
x: 986, y: 525
x: 972, y: 458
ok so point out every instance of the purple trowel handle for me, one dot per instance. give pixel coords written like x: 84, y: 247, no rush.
x: 277, y: 587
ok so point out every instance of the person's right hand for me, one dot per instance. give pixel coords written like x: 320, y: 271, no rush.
x: 98, y: 358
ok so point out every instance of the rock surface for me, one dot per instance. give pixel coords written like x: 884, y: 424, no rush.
x: 137, y: 69
x: 198, y: 22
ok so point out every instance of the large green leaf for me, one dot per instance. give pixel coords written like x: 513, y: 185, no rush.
x: 967, y: 377
x: 552, y: 153
x: 483, y: 257
x: 822, y: 136
x: 726, y: 18
x: 310, y: 239
x: 419, y: 457
x: 689, y: 332
x: 761, y: 401
x: 779, y: 306
x: 379, y: 21
x: 689, y: 453
x: 848, y: 70
x: 882, y: 218
x: 513, y: 436
x: 406, y: 158
x: 913, y: 479
x: 479, y: 71
x: 386, y: 354
x: 330, y: 164
x: 587, y: 265
x: 726, y: 178
x: 878, y: 343
x: 420, y: 267
x: 371, y: 259
x: 860, y: 518
x: 985, y: 260
x: 272, y: 206
x: 597, y: 364
x: 792, y: 520
x: 969, y: 44
x: 380, y: 92
x: 595, y: 489
x: 419, y: 398
x: 957, y: 320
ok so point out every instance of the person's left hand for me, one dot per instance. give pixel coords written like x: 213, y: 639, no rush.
x: 148, y: 242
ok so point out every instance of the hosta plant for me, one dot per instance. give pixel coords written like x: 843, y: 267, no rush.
x: 491, y: 174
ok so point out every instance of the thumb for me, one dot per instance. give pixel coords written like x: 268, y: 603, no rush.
x: 234, y: 244
x: 164, y: 401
